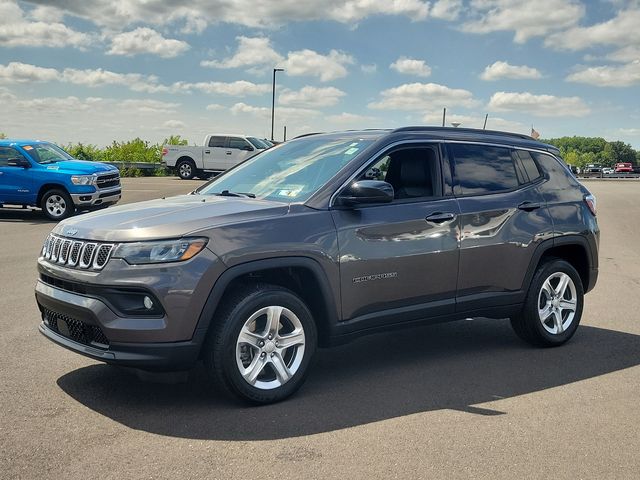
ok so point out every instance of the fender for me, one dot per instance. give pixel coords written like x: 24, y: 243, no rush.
x: 547, y: 245
x: 213, y: 300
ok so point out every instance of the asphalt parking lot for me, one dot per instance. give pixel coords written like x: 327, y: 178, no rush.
x: 462, y: 400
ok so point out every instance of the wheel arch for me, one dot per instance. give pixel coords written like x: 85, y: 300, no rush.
x: 574, y: 249
x: 50, y: 186
x: 302, y: 275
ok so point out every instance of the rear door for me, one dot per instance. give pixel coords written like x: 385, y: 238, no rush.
x: 16, y: 183
x: 399, y: 261
x: 214, y: 153
x: 503, y: 218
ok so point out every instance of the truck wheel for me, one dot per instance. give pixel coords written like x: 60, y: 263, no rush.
x: 186, y: 169
x: 57, y: 204
x: 261, y: 343
x: 553, y: 306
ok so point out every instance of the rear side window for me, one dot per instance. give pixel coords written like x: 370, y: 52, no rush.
x: 216, y: 142
x: 529, y: 165
x: 482, y: 169
x: 6, y: 153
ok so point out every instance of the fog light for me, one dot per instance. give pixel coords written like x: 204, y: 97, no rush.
x: 148, y: 303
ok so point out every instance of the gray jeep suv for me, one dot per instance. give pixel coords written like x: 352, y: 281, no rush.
x: 319, y: 240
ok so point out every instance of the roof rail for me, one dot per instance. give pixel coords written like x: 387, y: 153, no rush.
x: 419, y: 128
x: 307, y: 135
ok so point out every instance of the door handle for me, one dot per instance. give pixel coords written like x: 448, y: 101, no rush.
x: 529, y: 206
x: 439, y: 217
x: 207, y: 151
x: 228, y: 153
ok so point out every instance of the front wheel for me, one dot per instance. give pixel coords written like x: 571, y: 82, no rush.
x: 57, y: 204
x: 261, y: 344
x: 553, y: 307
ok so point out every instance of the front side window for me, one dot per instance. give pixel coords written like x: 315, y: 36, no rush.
x: 290, y: 172
x: 239, y: 143
x: 46, y: 153
x: 413, y: 172
x: 6, y: 153
x: 481, y: 169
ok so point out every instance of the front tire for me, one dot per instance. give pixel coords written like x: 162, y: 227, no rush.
x: 57, y: 205
x: 553, y: 307
x: 186, y: 169
x: 261, y: 344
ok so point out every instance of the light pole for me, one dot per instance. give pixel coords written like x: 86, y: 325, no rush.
x: 273, y: 98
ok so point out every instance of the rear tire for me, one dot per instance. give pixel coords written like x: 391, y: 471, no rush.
x: 261, y: 343
x: 186, y: 169
x: 57, y: 205
x: 553, y: 307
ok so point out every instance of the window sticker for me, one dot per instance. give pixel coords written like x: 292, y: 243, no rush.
x: 290, y: 192
x: 28, y: 147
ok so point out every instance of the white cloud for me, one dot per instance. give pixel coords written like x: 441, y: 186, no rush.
x: 539, y: 105
x: 212, y: 107
x: 526, y: 18
x: 16, y: 72
x: 251, y: 52
x: 369, y: 69
x: 410, y: 66
x: 446, y: 9
x: 423, y: 96
x: 311, y: 97
x: 310, y: 63
x: 195, y: 15
x: 99, y: 77
x: 174, y: 124
x: 149, y: 106
x: 283, y: 114
x: 146, y: 40
x: 239, y: 88
x: 18, y: 31
x: 44, y: 13
x: 626, y: 54
x: 258, y: 54
x: 353, y: 120
x: 500, y: 70
x: 608, y: 76
x: 622, y: 30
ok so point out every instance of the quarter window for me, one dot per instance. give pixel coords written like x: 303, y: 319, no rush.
x: 529, y: 165
x: 482, y: 169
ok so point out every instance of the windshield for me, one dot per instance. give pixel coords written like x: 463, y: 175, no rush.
x: 46, y: 153
x: 290, y: 172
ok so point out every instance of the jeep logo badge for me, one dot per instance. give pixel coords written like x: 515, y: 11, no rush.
x: 71, y: 232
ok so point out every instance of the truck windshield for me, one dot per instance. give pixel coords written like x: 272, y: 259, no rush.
x: 46, y: 153
x: 290, y: 172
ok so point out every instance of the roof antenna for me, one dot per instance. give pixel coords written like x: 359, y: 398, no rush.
x: 485, y: 121
x: 444, y: 116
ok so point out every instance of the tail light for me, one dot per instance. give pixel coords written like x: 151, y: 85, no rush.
x: 165, y: 150
x: 590, y: 200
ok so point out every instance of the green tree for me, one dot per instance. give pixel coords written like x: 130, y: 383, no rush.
x: 622, y: 152
x: 2, y: 135
x: 175, y: 140
x: 84, y: 152
x: 136, y: 150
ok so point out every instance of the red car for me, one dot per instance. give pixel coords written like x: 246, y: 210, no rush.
x: 624, y: 167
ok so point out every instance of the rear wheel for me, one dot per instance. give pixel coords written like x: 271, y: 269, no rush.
x: 261, y: 344
x: 57, y: 204
x: 186, y: 169
x: 553, y: 307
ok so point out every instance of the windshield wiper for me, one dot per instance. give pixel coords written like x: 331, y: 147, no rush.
x: 227, y: 193
x: 53, y: 160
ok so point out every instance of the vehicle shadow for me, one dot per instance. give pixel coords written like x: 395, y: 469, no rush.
x: 450, y: 366
x: 23, y: 215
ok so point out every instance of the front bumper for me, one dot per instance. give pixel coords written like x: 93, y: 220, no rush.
x: 106, y: 196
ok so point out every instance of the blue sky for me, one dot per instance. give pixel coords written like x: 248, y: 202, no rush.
x: 94, y: 71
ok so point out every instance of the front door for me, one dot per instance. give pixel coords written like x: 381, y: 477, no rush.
x: 16, y: 183
x: 399, y: 261
x: 238, y: 151
x: 214, y: 154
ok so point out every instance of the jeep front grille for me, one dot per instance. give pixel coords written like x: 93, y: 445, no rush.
x: 77, y: 253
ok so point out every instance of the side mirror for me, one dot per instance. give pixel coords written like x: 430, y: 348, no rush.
x: 364, y: 192
x: 248, y: 148
x: 18, y: 162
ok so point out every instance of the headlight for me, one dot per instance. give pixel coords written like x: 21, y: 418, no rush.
x: 83, y: 179
x: 160, y: 251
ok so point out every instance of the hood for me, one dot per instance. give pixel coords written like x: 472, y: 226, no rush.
x: 166, y: 218
x: 80, y: 167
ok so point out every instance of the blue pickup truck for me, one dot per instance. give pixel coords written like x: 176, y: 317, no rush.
x: 41, y: 174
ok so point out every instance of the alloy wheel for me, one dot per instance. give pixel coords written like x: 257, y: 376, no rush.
x: 557, y: 303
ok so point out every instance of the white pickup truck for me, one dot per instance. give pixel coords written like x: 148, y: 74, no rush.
x: 219, y: 153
